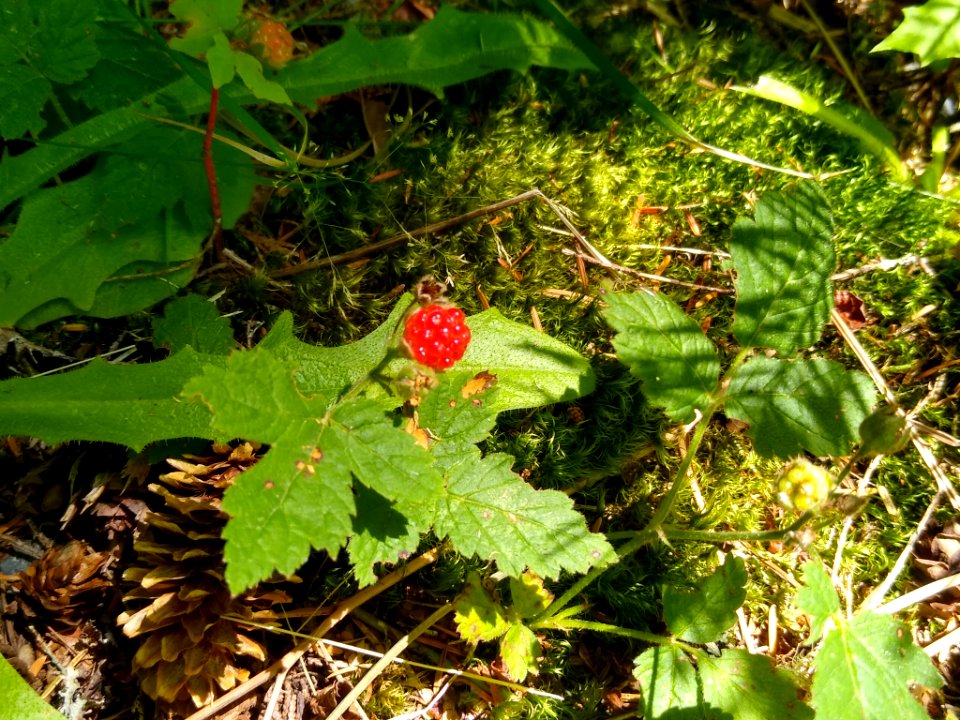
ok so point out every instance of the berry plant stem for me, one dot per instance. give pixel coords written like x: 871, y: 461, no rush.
x: 212, y: 173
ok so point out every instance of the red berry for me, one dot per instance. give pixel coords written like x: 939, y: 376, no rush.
x: 273, y: 42
x: 437, y: 335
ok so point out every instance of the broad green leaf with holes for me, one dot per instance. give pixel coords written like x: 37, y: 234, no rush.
x: 667, y: 350
x: 784, y: 258
x: 808, y: 405
x: 702, y: 615
x: 931, y: 31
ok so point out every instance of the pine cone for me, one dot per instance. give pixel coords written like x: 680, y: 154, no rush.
x: 180, y: 598
x: 67, y: 580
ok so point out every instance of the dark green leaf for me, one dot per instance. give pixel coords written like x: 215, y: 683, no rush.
x: 704, y: 614
x: 784, y: 258
x: 666, y: 349
x: 192, y: 321
x: 814, y: 405
x: 452, y: 48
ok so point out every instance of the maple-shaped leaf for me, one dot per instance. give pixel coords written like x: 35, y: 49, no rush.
x: 488, y: 510
x: 301, y: 492
x: 42, y: 43
x: 204, y: 20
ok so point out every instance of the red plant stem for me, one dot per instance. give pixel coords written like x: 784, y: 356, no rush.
x: 212, y: 173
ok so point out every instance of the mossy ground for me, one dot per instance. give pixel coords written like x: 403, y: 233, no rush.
x: 573, y: 137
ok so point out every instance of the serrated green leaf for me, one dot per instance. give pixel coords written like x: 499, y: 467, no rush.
x: 458, y: 413
x: 387, y: 459
x: 20, y: 701
x: 666, y: 349
x: 488, y: 510
x: 784, y: 258
x: 750, y: 687
x: 519, y: 650
x: 193, y: 321
x: 23, y: 94
x: 669, y: 681
x: 817, y: 598
x: 128, y: 404
x: 704, y: 614
x: 452, y: 48
x: 204, y: 19
x: 252, y: 396
x: 479, y: 617
x: 864, y: 667
x: 528, y: 596
x: 931, y: 31
x: 288, y: 503
x: 814, y: 405
x: 381, y: 534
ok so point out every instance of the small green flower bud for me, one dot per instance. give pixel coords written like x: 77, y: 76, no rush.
x: 803, y: 485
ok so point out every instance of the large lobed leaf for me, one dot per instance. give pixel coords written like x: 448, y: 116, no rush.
x: 666, y: 349
x: 784, y: 258
x: 792, y: 406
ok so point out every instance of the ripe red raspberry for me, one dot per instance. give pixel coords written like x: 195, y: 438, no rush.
x: 437, y: 335
x: 273, y: 42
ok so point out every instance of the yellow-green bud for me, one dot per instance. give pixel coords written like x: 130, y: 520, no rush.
x: 803, y: 485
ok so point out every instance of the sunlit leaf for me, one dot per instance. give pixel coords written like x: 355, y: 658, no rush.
x: 704, y: 614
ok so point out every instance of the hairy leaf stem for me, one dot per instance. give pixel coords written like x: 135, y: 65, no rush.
x: 575, y: 624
